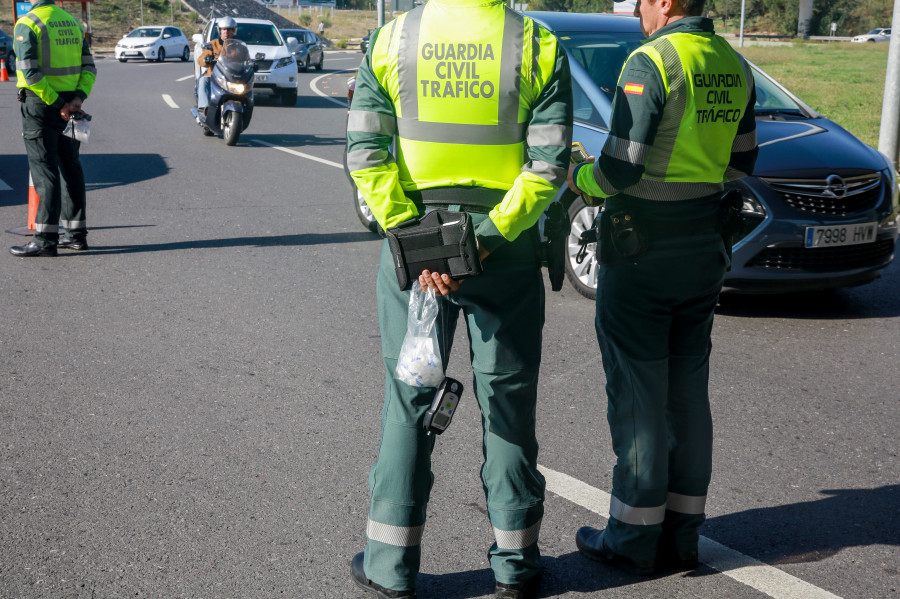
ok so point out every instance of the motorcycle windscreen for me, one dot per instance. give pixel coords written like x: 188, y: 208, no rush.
x: 235, y: 57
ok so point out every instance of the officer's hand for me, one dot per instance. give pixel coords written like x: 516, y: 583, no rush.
x: 570, y: 179
x: 440, y: 284
x: 71, y: 107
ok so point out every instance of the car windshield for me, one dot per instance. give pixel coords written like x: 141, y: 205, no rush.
x: 153, y: 32
x: 258, y: 34
x: 874, y: 32
x: 602, y: 54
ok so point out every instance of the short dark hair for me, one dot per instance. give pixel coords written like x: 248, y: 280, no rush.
x: 692, y: 8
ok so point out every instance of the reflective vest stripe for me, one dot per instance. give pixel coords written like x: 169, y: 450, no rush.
x: 744, y: 142
x: 517, y: 539
x: 358, y: 160
x: 21, y: 65
x: 554, y: 174
x: 670, y: 123
x: 407, y: 67
x: 511, y: 71
x: 455, y: 133
x: 398, y: 536
x: 34, y: 78
x: 649, y: 189
x: 632, y: 152
x: 639, y: 516
x: 732, y: 174
x: 361, y: 121
x: 686, y: 504
x: 548, y: 135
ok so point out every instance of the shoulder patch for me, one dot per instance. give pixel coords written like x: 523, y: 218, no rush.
x: 634, y: 88
x: 20, y: 38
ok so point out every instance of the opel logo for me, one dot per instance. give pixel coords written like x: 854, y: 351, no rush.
x: 834, y: 187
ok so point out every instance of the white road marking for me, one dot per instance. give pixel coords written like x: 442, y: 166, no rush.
x: 169, y: 100
x: 742, y: 568
x: 312, y: 86
x: 296, y: 153
x: 185, y: 78
x: 4, y: 186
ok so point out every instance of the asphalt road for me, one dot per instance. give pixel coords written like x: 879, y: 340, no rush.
x: 190, y: 408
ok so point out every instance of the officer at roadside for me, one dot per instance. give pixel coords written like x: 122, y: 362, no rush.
x: 682, y: 123
x: 55, y: 73
x: 227, y: 28
x: 479, y: 99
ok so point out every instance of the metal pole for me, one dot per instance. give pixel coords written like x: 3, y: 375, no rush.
x: 142, y: 13
x: 380, y: 6
x: 172, y: 11
x: 889, y: 135
x: 743, y: 12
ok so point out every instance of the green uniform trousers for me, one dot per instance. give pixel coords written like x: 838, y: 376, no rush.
x: 504, y: 312
x: 654, y: 319
x: 53, y: 160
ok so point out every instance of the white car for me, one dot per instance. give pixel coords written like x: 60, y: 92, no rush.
x: 276, y: 69
x: 154, y: 43
x: 876, y: 35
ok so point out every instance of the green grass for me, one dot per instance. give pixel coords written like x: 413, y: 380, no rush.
x: 842, y: 81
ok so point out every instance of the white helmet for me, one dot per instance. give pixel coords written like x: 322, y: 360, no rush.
x: 227, y: 23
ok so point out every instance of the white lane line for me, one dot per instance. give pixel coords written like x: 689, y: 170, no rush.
x: 312, y: 86
x: 185, y: 78
x: 296, y: 153
x: 742, y: 568
x: 169, y: 100
x: 4, y: 186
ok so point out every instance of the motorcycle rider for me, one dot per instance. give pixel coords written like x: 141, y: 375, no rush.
x: 208, y: 57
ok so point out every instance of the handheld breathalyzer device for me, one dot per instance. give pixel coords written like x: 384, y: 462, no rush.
x: 439, y: 415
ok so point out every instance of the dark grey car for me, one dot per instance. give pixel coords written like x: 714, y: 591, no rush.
x: 6, y: 51
x: 309, y: 50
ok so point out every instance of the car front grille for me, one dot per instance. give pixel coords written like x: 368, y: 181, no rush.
x: 835, y: 259
x: 263, y: 65
x: 834, y: 196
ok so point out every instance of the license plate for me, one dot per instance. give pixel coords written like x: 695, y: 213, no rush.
x: 260, y: 77
x: 820, y: 237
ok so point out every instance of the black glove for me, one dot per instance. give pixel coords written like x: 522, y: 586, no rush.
x: 210, y: 60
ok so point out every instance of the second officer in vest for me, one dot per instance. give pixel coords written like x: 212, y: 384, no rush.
x: 682, y: 123
x: 479, y: 100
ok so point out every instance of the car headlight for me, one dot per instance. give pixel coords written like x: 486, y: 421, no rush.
x: 284, y: 62
x: 752, y: 210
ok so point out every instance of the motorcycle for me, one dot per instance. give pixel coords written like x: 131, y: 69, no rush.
x: 230, y: 93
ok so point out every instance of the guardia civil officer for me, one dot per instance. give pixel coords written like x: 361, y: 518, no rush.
x: 55, y: 71
x: 479, y: 99
x: 682, y: 123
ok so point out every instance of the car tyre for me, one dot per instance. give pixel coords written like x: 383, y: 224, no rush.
x: 289, y: 97
x: 321, y: 63
x: 363, y: 212
x: 161, y: 55
x: 123, y: 60
x: 186, y: 54
x: 583, y: 277
x: 305, y: 65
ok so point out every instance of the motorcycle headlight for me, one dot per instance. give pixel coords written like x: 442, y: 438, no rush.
x: 235, y: 88
x: 284, y: 62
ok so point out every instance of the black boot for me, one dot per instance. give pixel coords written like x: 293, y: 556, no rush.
x: 32, y: 250
x: 362, y: 581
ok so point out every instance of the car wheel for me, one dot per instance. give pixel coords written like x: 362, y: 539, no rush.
x: 305, y: 65
x: 583, y: 276
x: 321, y: 63
x: 363, y: 213
x: 289, y: 97
x: 161, y: 55
x: 123, y: 60
x: 186, y: 54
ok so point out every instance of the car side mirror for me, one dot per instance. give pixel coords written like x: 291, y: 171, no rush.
x: 166, y: 36
x: 292, y: 41
x: 197, y: 38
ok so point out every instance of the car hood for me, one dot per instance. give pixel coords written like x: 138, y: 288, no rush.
x: 270, y: 52
x: 811, y: 148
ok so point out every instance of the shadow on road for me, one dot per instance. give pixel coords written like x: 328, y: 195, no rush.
x: 102, y: 171
x: 227, y: 242
x: 801, y: 532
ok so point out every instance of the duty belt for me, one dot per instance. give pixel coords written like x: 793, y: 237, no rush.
x: 664, y: 229
x: 478, y: 199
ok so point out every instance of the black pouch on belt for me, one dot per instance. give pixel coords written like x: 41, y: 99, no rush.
x: 626, y: 235
x: 441, y: 241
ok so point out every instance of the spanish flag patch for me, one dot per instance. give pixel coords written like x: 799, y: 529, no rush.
x: 634, y: 88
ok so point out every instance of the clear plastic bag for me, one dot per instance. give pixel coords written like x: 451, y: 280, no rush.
x: 79, y: 130
x: 419, y: 364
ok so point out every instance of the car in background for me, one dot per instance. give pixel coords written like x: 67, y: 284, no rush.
x: 276, y: 69
x: 153, y: 43
x: 6, y: 52
x: 876, y: 35
x: 308, y: 50
x: 364, y: 42
x: 821, y: 210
